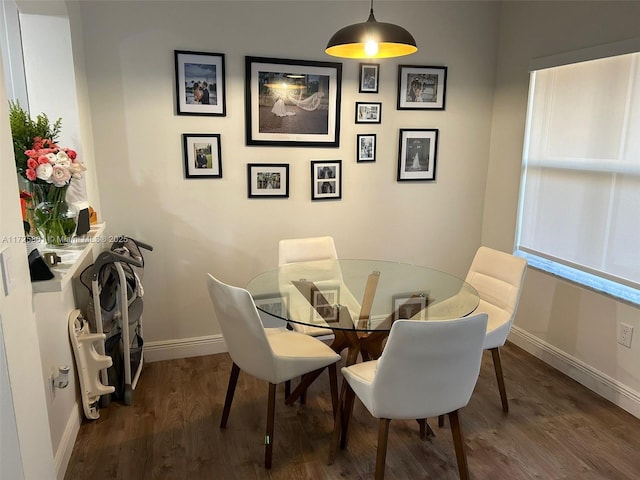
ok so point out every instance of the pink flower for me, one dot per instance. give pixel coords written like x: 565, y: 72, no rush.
x: 31, y: 153
x: 42, y: 159
x: 60, y: 176
x: 31, y: 174
x: 32, y: 163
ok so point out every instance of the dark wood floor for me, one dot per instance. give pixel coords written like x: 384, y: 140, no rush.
x: 556, y: 430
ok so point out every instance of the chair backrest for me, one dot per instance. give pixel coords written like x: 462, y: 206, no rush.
x: 306, y: 249
x: 498, y: 277
x: 428, y: 368
x: 242, y: 329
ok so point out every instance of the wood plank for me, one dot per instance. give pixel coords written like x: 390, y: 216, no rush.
x: 556, y: 429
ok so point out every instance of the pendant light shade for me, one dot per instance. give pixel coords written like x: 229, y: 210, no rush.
x: 371, y: 39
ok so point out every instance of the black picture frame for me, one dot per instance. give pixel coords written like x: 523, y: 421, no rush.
x: 369, y: 78
x: 268, y: 180
x: 278, y: 89
x: 368, y: 112
x: 417, y: 154
x: 366, y: 144
x: 193, y: 68
x: 326, y: 179
x: 276, y: 304
x: 202, y: 154
x: 421, y: 87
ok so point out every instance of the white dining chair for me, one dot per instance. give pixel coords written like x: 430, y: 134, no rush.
x: 294, y: 250
x: 498, y: 277
x: 427, y: 369
x: 274, y: 355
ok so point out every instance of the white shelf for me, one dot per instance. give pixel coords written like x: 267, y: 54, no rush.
x: 72, y: 257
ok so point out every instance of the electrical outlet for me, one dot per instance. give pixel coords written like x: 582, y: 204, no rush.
x: 625, y: 332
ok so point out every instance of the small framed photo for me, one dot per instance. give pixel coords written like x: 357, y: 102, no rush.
x: 326, y: 179
x: 200, y: 84
x: 366, y: 146
x: 421, y: 88
x: 324, y: 305
x: 267, y: 180
x: 368, y: 112
x: 202, y: 157
x: 417, y: 154
x: 409, y: 305
x: 369, y: 77
x: 275, y: 304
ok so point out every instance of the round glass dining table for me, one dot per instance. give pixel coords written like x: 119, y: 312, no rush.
x: 358, y: 300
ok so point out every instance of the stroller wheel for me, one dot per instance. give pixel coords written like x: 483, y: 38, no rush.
x: 128, y: 395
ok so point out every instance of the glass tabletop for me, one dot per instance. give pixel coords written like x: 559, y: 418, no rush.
x: 361, y: 295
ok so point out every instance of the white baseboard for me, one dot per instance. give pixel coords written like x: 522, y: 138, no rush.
x: 184, y: 348
x: 594, y: 380
x: 68, y: 440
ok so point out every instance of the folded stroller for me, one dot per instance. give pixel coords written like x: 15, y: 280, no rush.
x: 115, y: 310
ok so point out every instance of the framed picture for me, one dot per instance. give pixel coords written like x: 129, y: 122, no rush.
x: 292, y: 103
x: 417, y: 154
x: 409, y: 305
x: 200, y: 84
x: 421, y: 88
x: 275, y: 304
x: 366, y: 147
x: 202, y: 157
x: 326, y: 179
x: 322, y: 312
x: 368, y: 112
x: 369, y: 77
x: 268, y: 180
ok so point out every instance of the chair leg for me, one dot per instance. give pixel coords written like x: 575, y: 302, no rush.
x: 349, y: 399
x: 287, y: 389
x: 425, y: 428
x: 231, y: 388
x: 497, y: 365
x: 458, y: 443
x: 381, y: 455
x: 337, y: 424
x: 333, y: 384
x: 268, y: 440
x: 440, y: 421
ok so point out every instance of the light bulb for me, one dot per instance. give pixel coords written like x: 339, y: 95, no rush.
x: 371, y: 48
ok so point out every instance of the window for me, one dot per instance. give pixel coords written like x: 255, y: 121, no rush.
x: 579, y: 212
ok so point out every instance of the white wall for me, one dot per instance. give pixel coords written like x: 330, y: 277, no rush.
x: 571, y: 327
x: 200, y: 226
x: 19, y: 335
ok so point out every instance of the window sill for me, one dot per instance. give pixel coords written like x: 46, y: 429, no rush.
x: 72, y: 257
x: 584, y: 279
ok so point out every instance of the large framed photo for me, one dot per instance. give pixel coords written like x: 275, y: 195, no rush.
x: 200, y: 83
x: 369, y: 77
x: 326, y: 179
x: 368, y: 112
x: 366, y: 147
x: 417, y: 154
x: 268, y: 180
x: 292, y: 103
x: 421, y: 88
x: 202, y: 155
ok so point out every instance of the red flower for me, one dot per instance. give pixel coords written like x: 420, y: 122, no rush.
x: 31, y: 163
x: 31, y: 174
x: 70, y: 153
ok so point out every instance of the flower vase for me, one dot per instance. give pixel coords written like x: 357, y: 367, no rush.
x: 54, y: 219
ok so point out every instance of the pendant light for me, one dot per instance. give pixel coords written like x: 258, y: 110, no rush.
x: 371, y: 39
